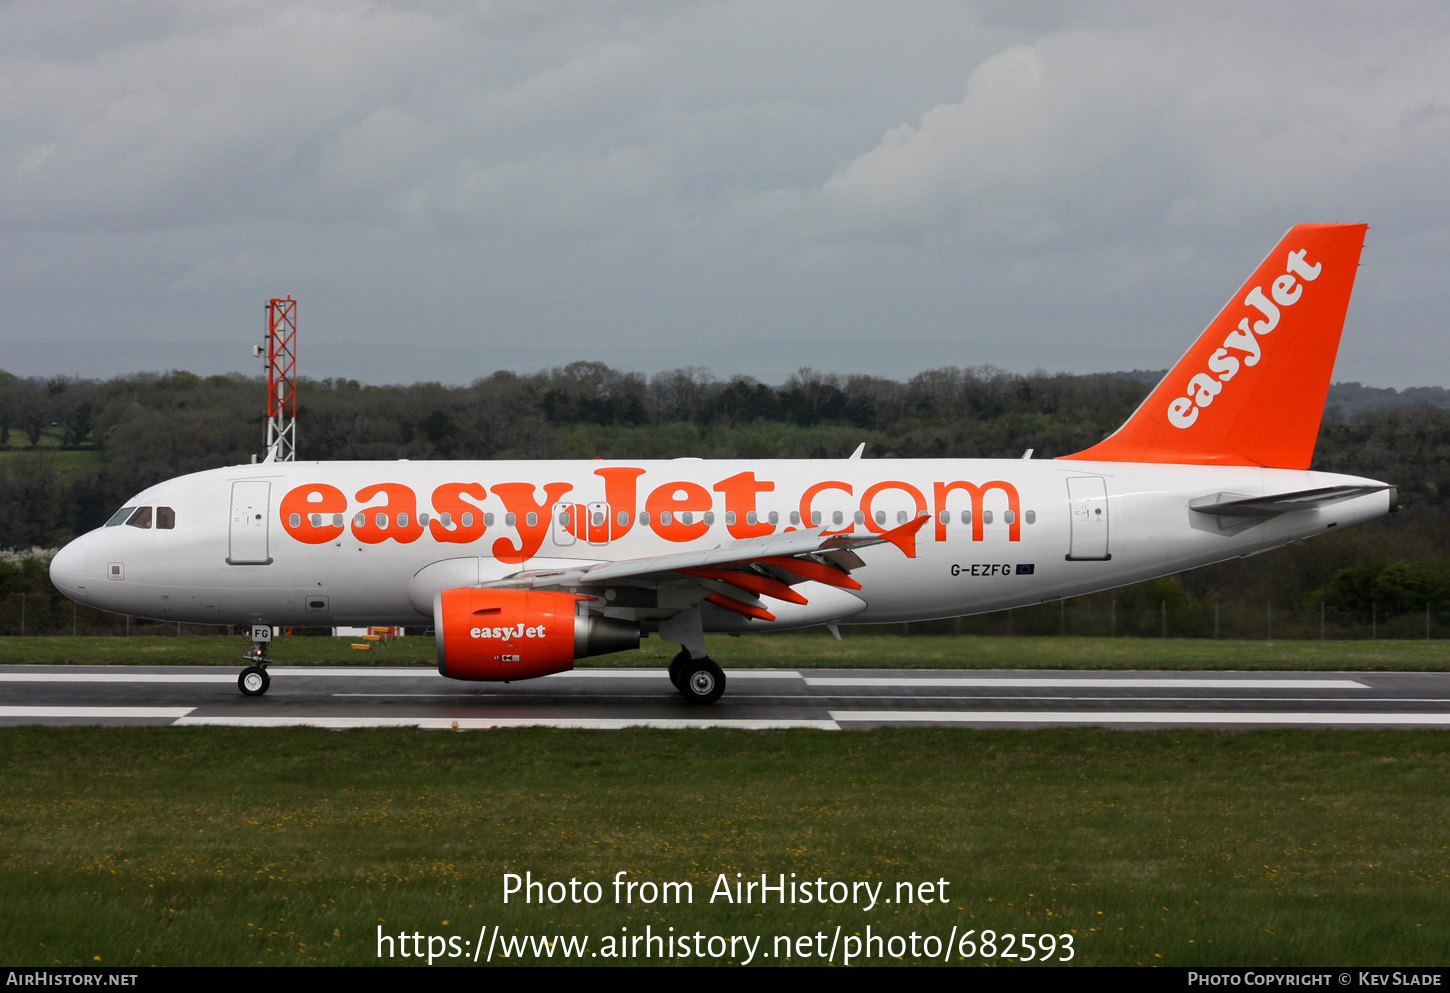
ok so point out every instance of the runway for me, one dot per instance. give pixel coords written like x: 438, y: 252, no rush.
x: 824, y: 699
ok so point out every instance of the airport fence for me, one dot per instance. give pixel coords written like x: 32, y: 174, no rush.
x: 1242, y: 620
x: 55, y: 614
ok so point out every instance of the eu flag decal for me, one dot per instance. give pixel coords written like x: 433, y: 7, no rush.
x: 1025, y: 569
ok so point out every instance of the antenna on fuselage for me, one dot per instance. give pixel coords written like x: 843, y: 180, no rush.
x: 281, y: 351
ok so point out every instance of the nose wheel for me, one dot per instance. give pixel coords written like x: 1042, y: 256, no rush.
x: 253, y: 681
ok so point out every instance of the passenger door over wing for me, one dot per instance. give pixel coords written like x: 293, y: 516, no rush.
x: 564, y: 525
x: 600, y: 526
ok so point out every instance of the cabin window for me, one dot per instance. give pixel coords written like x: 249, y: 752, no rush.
x: 314, y: 519
x: 532, y: 519
x: 598, y: 518
x: 382, y: 521
x: 1008, y: 517
x: 946, y: 517
x: 1031, y: 517
x: 140, y: 519
x: 360, y: 521
x: 860, y: 517
x: 564, y: 519
x: 901, y: 517
x: 986, y: 517
x: 686, y: 517
x: 644, y: 518
x: 772, y: 518
x: 337, y: 520
x: 446, y: 520
x: 751, y: 517
x: 402, y: 520
x: 966, y: 517
x: 730, y: 517
x: 623, y: 518
x: 665, y: 518
x: 422, y: 520
x: 880, y: 517
x: 837, y: 517
x: 709, y: 517
x: 509, y: 519
x: 487, y: 520
x: 466, y: 519
x: 815, y: 518
x: 295, y: 521
x: 165, y: 518
x: 119, y: 517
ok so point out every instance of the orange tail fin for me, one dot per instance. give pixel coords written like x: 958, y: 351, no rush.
x: 1251, y: 390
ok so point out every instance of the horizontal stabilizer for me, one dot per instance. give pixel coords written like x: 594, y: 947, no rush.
x: 1235, y: 505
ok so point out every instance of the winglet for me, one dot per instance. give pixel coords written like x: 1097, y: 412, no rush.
x: 904, y: 537
x: 1251, y: 390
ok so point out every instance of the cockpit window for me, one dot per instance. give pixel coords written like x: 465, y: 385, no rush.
x: 140, y: 519
x: 119, y: 517
x: 165, y: 518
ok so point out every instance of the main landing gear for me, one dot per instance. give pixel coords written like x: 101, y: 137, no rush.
x: 254, y: 679
x: 698, y: 680
x: 694, y: 673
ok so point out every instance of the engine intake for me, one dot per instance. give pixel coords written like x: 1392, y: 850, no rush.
x: 519, y: 634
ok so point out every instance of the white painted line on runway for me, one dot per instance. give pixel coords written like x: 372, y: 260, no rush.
x: 552, y: 695
x: 170, y: 713
x: 115, y: 677
x: 1036, y: 698
x: 326, y: 670
x: 482, y: 723
x: 664, y: 674
x: 1091, y: 681
x: 1128, y: 717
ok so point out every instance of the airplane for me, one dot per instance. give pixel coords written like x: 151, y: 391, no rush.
x: 522, y: 568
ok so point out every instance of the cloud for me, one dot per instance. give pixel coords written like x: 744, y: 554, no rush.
x: 712, y: 171
x: 1091, y: 137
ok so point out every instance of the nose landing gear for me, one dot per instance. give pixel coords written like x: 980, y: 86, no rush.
x: 254, y: 679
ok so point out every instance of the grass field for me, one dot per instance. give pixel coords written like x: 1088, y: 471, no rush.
x: 67, y: 462
x: 227, y: 846
x: 810, y: 650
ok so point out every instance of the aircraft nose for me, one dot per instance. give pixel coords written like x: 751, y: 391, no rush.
x: 68, y: 571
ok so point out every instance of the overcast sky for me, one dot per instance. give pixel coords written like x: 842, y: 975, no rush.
x: 926, y: 182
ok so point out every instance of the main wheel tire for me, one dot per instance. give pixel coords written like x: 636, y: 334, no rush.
x: 701, y: 681
x: 677, y: 668
x: 253, y: 681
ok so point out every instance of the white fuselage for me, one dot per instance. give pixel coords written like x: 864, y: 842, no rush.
x: 249, y: 546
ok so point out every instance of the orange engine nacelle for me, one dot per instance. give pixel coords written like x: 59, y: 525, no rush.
x: 520, y: 634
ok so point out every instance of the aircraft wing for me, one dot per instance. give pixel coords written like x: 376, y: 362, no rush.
x: 736, y: 574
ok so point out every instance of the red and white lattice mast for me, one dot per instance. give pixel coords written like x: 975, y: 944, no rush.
x: 281, y: 380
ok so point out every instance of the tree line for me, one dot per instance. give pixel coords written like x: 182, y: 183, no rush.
x: 71, y: 450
